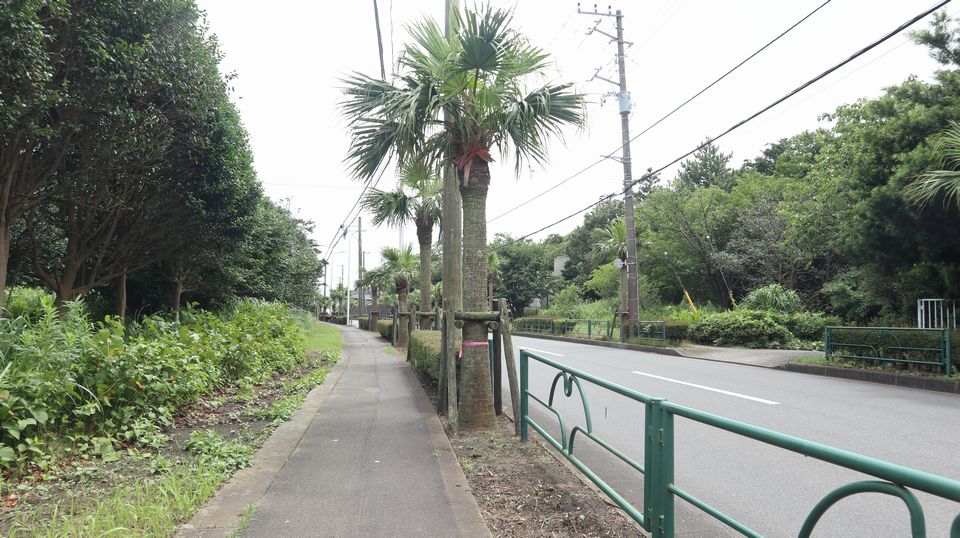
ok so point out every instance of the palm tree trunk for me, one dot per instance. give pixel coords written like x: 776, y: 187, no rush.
x: 623, y: 304
x: 374, y: 308
x: 425, y: 237
x: 403, y: 335
x: 476, y: 396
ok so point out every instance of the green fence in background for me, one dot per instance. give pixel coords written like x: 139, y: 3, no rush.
x: 574, y: 328
x: 931, y: 347
x: 659, y: 489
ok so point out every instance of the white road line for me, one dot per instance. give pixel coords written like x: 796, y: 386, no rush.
x: 694, y: 385
x: 542, y: 351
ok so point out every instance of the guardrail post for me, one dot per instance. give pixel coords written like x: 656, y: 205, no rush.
x: 947, y: 352
x: 658, y: 463
x: 524, y: 402
x: 826, y: 342
x: 589, y: 329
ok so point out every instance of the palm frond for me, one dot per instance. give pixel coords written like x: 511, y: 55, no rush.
x: 944, y: 182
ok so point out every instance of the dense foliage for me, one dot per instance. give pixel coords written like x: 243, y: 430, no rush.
x: 857, y: 219
x: 126, y: 166
x: 107, y: 382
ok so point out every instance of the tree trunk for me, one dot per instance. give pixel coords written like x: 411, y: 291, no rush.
x: 425, y: 237
x: 403, y: 335
x: 177, y: 295
x: 374, y: 309
x: 122, y: 295
x: 476, y: 397
x: 4, y: 257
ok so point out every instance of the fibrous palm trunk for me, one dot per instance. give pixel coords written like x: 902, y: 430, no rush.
x: 425, y: 237
x: 403, y: 335
x: 374, y: 308
x: 476, y: 396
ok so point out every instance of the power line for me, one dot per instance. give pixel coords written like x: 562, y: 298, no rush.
x: 672, y: 112
x: 744, y: 121
x: 335, y: 240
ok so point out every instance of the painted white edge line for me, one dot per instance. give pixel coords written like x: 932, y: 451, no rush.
x: 542, y: 351
x: 711, y: 389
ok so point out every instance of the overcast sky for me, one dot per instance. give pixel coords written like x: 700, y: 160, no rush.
x: 288, y: 56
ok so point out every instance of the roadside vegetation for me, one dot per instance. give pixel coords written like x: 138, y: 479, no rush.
x: 130, y: 427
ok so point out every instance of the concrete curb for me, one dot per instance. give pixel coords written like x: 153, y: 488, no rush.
x: 221, y: 514
x: 886, y: 378
x: 669, y: 351
x: 470, y: 522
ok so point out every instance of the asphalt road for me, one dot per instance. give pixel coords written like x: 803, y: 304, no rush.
x: 769, y: 489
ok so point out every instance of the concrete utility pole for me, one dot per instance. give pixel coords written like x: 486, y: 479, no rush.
x: 376, y: 18
x: 623, y: 98
x: 452, y: 227
x: 360, y: 301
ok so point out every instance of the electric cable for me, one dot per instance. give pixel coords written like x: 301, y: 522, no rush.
x: 672, y: 112
x: 742, y: 122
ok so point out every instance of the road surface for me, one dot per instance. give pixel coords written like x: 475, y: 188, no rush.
x: 769, y: 489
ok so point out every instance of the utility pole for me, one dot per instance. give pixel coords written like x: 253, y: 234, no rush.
x: 376, y: 18
x: 360, y: 300
x: 452, y: 228
x: 623, y: 98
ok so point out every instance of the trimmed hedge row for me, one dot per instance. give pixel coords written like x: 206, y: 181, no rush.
x: 385, y: 327
x: 364, y: 323
x: 425, y: 352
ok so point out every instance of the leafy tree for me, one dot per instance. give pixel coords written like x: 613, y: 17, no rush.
x: 579, y: 244
x: 525, y: 271
x: 468, y: 99
x: 708, y: 166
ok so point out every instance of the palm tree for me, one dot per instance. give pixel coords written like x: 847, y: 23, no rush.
x: 416, y: 198
x: 611, y: 244
x: 946, y: 180
x: 459, y: 99
x: 337, y: 295
x: 401, y: 265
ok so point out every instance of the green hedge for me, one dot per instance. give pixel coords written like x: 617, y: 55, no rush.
x: 425, y: 352
x: 677, y: 330
x: 740, y: 328
x: 385, y: 327
x: 364, y: 323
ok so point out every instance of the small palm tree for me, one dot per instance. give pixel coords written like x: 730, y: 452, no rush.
x: 459, y: 100
x: 946, y: 180
x: 611, y: 244
x: 416, y: 198
x: 401, y: 265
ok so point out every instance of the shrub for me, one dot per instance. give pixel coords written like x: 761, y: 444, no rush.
x: 364, y: 323
x: 64, y: 375
x: 425, y: 352
x: 745, y: 328
x: 677, y: 330
x: 25, y: 302
x: 385, y: 327
x: 807, y: 325
x: 772, y: 298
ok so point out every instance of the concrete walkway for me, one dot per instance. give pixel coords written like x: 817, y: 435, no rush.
x: 768, y: 358
x: 373, y: 461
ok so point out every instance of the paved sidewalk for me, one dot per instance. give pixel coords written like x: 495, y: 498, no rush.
x: 373, y: 461
x: 768, y: 358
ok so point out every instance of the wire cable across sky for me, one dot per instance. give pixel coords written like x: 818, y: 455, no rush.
x: 744, y: 121
x: 671, y: 113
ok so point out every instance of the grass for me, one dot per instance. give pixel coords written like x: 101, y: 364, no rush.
x: 143, y: 507
x: 322, y: 338
x: 244, y: 521
x: 893, y: 368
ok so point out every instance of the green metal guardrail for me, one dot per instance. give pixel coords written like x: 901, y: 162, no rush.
x: 652, y: 330
x: 589, y: 328
x: 890, y: 344
x: 659, y: 489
